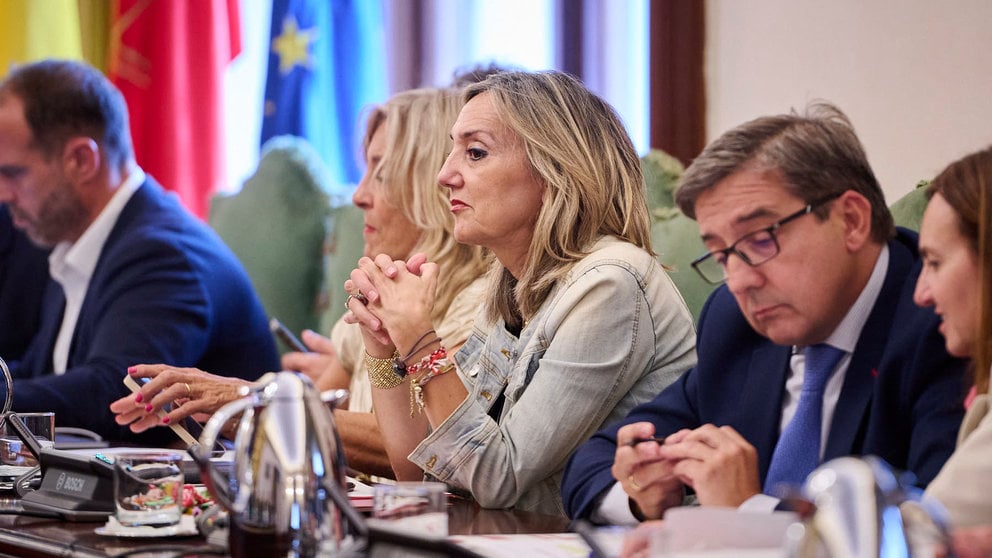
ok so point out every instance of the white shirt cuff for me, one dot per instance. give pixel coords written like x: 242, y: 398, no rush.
x: 614, y: 508
x: 759, y: 503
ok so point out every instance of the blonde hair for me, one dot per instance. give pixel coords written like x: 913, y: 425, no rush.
x: 966, y: 184
x: 578, y: 148
x: 417, y: 125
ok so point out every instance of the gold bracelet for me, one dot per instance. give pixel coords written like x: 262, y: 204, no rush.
x: 381, y: 373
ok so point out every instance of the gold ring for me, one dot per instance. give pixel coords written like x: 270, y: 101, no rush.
x: 633, y: 483
x: 189, y: 392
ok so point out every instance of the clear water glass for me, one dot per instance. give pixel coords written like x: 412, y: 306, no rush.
x: 148, y: 488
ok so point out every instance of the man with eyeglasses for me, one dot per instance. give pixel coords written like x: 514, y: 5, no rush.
x: 811, y: 350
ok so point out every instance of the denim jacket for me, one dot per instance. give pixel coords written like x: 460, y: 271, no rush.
x: 611, y: 335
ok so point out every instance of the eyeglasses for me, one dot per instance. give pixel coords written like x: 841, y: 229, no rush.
x: 754, y: 248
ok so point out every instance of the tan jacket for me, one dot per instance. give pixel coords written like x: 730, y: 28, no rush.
x: 964, y: 484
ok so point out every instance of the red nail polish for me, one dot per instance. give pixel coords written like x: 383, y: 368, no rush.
x: 138, y: 398
x: 148, y: 408
x: 165, y: 420
x: 132, y: 369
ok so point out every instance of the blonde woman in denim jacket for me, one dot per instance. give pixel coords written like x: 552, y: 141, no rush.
x: 580, y: 322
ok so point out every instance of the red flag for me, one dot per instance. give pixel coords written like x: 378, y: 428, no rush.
x: 169, y: 58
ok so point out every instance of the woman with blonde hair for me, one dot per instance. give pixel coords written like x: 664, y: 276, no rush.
x: 405, y: 143
x: 579, y: 324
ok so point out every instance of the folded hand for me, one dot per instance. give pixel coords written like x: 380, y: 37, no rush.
x: 399, y: 299
x: 717, y: 462
x: 644, y: 473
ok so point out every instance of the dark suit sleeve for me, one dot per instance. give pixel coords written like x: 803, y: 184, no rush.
x: 917, y: 408
x: 154, y: 310
x: 588, y: 475
x: 23, y: 276
x: 154, y: 299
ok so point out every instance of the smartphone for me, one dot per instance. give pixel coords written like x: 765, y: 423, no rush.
x: 180, y: 431
x: 287, y: 337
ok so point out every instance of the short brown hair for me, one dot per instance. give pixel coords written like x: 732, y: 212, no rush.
x: 65, y: 98
x: 817, y: 154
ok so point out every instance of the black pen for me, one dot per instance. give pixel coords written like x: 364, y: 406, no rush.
x: 656, y: 439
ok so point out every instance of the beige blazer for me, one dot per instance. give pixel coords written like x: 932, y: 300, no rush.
x: 964, y: 484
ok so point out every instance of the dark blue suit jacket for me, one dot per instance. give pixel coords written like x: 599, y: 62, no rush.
x: 23, y: 275
x: 901, y: 398
x: 165, y: 290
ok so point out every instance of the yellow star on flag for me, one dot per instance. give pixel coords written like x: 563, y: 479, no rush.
x: 293, y: 45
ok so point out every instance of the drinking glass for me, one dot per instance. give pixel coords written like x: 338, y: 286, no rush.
x: 15, y: 456
x: 148, y: 488
x: 418, y: 508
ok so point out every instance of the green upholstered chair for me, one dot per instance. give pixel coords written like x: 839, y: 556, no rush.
x: 345, y: 245
x: 907, y: 211
x: 674, y: 236
x: 277, y: 225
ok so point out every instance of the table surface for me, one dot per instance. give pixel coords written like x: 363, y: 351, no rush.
x: 22, y: 535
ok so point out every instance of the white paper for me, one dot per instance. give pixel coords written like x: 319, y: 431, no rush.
x: 694, y: 529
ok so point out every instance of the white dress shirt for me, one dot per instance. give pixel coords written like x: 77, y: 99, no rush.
x: 72, y: 264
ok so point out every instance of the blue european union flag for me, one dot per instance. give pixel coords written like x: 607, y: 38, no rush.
x: 326, y: 62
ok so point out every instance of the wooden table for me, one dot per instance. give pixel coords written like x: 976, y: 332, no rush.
x: 22, y: 535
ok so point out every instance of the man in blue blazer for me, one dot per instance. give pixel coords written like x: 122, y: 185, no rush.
x: 797, y: 227
x: 136, y: 278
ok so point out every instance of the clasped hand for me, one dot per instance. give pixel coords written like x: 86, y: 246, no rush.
x: 400, y: 297
x: 717, y: 462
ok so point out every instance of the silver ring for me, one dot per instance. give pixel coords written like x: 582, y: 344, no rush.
x: 359, y: 297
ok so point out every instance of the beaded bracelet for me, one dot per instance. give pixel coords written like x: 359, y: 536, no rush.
x: 433, y: 365
x: 381, y: 373
x: 425, y: 362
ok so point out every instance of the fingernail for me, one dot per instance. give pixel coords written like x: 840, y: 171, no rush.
x: 148, y: 408
x: 138, y: 398
x: 165, y: 420
x: 132, y: 369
